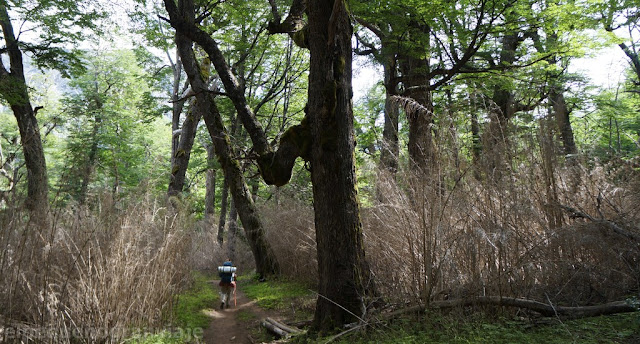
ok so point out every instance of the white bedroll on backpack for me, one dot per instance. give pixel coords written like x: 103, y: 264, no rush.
x: 226, y: 269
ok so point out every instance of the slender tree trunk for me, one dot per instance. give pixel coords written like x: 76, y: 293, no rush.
x: 91, y: 160
x: 233, y: 231
x: 183, y: 154
x: 265, y: 260
x: 116, y: 175
x: 476, y: 143
x: 210, y: 193
x: 13, y: 88
x: 502, y: 109
x: 552, y: 211
x: 177, y: 106
x: 96, y: 107
x: 390, y: 147
x: 223, y: 209
x: 561, y: 114
x: 343, y: 272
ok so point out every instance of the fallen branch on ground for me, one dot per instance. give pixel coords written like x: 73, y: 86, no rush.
x: 539, y: 307
x: 279, y: 328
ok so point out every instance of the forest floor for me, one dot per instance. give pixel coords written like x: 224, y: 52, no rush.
x: 290, y: 303
x: 240, y: 323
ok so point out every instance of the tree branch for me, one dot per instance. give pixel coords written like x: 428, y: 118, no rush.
x: 229, y: 80
x: 275, y: 167
x: 293, y: 22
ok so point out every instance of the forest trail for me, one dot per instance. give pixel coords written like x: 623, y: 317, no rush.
x: 235, y: 324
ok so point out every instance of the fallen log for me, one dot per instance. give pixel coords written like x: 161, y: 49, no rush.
x: 286, y: 328
x: 544, y: 309
x: 279, y: 328
x: 275, y: 329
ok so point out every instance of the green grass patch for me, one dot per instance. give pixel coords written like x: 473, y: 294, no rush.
x: 190, y: 305
x: 435, y: 328
x: 275, y: 294
x: 189, y: 318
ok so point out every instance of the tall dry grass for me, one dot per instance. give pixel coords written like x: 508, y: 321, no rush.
x: 291, y: 232
x: 475, y: 238
x: 497, y: 229
x: 94, y: 276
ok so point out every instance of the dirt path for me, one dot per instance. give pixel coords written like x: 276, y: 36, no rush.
x: 235, y: 324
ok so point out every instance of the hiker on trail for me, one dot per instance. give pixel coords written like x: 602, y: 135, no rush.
x: 227, y: 273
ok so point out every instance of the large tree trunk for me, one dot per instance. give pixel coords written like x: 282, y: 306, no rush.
x: 343, y: 272
x: 415, y: 71
x: 265, y: 260
x: 183, y: 154
x: 13, y: 88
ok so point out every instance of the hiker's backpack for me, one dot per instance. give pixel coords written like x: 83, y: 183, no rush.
x: 226, y: 273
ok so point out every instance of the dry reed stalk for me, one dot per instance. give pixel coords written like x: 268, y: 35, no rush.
x: 100, y: 275
x: 493, y: 237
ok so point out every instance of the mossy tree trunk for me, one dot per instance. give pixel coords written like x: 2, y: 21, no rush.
x: 13, y: 88
x: 183, y: 153
x: 343, y: 271
x: 233, y: 231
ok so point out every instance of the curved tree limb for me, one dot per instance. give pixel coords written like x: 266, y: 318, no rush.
x: 275, y: 167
